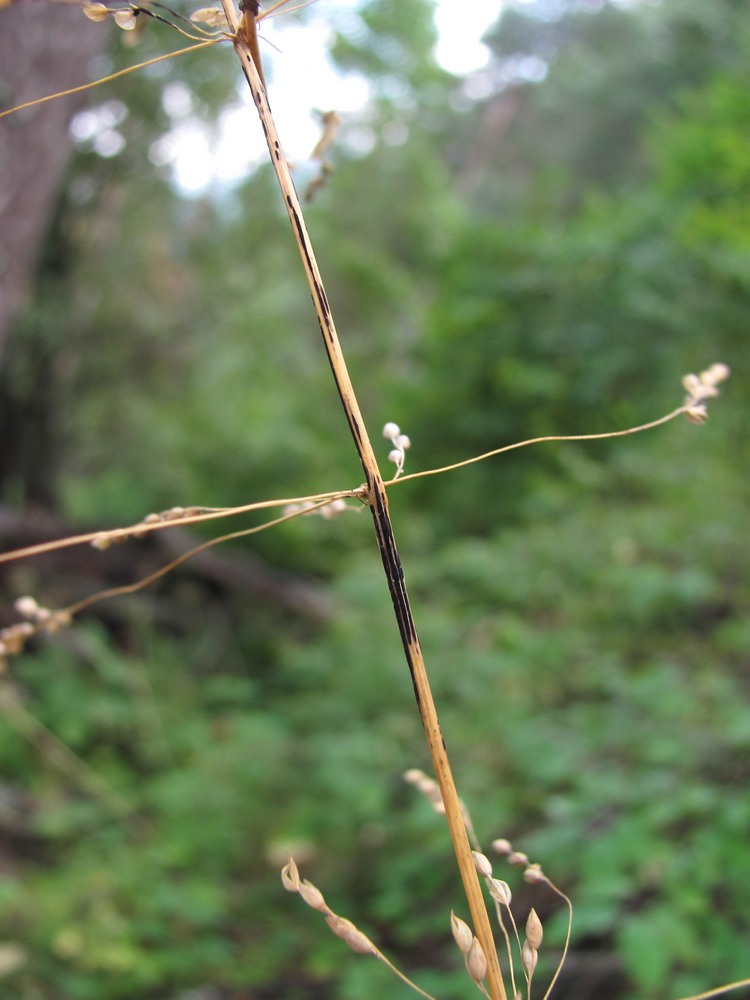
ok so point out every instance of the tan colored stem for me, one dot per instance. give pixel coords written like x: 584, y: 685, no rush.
x: 378, y: 503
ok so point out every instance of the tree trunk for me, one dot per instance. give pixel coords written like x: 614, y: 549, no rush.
x: 44, y: 48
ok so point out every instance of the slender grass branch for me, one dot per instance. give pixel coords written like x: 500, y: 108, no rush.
x: 131, y: 588
x: 539, y: 440
x: 14, y: 637
x: 719, y: 991
x: 113, y: 76
x: 200, y: 515
x: 197, y: 515
x: 541, y: 877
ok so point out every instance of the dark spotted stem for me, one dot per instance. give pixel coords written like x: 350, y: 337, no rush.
x: 378, y: 502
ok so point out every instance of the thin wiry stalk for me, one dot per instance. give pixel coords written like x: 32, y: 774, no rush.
x: 110, y: 77
x: 377, y: 501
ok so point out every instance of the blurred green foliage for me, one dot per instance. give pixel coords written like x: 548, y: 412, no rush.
x: 583, y: 607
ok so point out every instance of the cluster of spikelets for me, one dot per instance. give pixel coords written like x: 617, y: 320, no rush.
x: 341, y: 927
x: 107, y: 538
x: 128, y: 16
x: 701, y: 388
x: 401, y: 444
x: 37, y: 619
x: 474, y: 958
x: 327, y: 510
x: 124, y: 17
x: 500, y: 892
x: 332, y: 508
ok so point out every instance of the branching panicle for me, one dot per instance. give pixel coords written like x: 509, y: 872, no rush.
x: 477, y: 946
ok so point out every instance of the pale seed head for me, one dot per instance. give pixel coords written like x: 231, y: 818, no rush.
x: 518, y: 859
x: 462, y: 933
x: 95, y: 11
x: 427, y: 786
x: 27, y: 607
x: 482, y: 864
x: 414, y: 775
x: 125, y: 19
x: 430, y: 789
x: 718, y: 372
x: 290, y: 876
x: 476, y: 962
x: 313, y: 896
x: 701, y: 388
x: 692, y: 384
x: 337, y: 506
x: 529, y: 957
x: 58, y: 620
x: 354, y: 937
x: 14, y: 637
x: 534, y: 875
x: 534, y: 930
x: 697, y: 413
x: 502, y: 846
x: 211, y: 16
x: 500, y: 891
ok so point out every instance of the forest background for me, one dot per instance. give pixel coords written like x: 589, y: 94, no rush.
x: 546, y: 247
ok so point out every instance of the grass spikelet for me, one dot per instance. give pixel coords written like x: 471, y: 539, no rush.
x: 343, y: 928
x: 476, y: 962
x: 351, y: 935
x: 534, y: 932
x: 462, y: 934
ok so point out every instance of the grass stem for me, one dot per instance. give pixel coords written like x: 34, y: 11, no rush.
x: 378, y: 503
